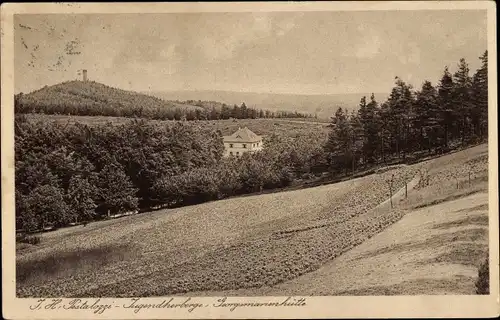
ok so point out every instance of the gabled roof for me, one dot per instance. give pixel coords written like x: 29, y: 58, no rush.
x: 243, y: 135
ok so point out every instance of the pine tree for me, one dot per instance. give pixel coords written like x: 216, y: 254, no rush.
x: 357, y: 140
x: 426, y: 115
x: 363, y: 119
x: 244, y: 111
x: 339, y: 144
x: 368, y: 116
x: 385, y: 143
x: 479, y: 113
x: 462, y: 85
x: 400, y: 105
x: 225, y: 111
x: 446, y: 107
x: 235, y: 112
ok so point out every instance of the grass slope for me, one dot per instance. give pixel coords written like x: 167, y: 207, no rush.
x: 249, y: 245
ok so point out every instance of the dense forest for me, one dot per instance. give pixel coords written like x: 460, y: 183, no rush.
x: 410, y: 123
x: 71, y: 173
x: 88, y: 98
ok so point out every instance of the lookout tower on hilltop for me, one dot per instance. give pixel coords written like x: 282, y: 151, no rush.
x: 84, y: 75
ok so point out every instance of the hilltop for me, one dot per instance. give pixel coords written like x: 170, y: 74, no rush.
x: 90, y: 94
x: 323, y: 105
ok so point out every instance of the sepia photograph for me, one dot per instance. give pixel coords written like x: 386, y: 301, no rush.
x: 277, y: 154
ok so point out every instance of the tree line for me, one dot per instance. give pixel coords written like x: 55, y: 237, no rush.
x: 217, y: 111
x: 411, y: 122
x: 188, y: 113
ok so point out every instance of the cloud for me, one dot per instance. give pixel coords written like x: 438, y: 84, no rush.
x: 285, y: 25
x: 249, y: 30
x: 219, y: 49
x: 169, y: 52
x: 411, y: 54
x: 262, y: 23
x: 224, y: 45
x: 369, y: 48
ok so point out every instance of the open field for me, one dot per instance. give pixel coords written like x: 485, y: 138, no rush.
x: 290, y: 127
x: 282, y: 242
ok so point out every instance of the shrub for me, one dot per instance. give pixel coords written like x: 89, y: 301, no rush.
x: 483, y: 280
x: 28, y: 239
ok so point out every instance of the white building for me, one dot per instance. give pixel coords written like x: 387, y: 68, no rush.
x: 242, y: 141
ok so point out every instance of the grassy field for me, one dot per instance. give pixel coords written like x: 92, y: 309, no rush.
x: 276, y: 243
x: 289, y: 127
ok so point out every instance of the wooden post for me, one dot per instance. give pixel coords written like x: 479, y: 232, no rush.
x: 390, y: 189
x: 469, y: 179
x: 353, y: 155
x: 390, y: 195
x: 406, y: 190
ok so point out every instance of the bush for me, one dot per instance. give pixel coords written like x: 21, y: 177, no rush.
x: 483, y: 280
x: 28, y: 239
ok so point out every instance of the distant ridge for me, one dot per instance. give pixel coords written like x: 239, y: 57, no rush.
x: 323, y: 105
x: 81, y: 94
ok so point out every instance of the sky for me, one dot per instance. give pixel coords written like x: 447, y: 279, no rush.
x: 277, y: 52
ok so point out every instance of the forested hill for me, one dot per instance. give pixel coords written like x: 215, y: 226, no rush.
x: 88, y: 98
x: 92, y: 98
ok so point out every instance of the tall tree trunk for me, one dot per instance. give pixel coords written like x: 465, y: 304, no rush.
x: 464, y: 120
x: 353, y: 159
x: 446, y: 136
x: 382, y: 147
x: 421, y: 142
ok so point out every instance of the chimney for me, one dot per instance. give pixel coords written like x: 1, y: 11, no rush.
x: 84, y: 73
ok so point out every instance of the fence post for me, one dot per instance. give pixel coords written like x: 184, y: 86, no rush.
x: 390, y: 189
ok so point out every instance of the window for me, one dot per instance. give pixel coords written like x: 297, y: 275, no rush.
x: 230, y: 145
x: 244, y: 146
x: 237, y: 153
x: 231, y: 153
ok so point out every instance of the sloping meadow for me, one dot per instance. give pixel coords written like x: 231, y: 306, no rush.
x: 228, y: 244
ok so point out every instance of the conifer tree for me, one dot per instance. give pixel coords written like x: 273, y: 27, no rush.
x: 371, y: 127
x: 339, y: 143
x: 479, y: 115
x: 426, y: 115
x: 462, y: 87
x: 447, y: 114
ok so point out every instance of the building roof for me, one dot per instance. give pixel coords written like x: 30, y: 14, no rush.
x: 243, y: 135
